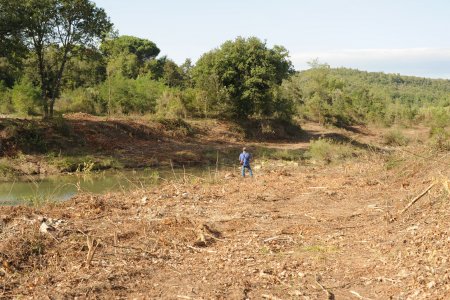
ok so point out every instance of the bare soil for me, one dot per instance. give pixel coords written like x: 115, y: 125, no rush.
x: 134, y: 142
x: 337, y: 231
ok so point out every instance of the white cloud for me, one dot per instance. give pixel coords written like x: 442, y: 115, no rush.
x: 429, y: 62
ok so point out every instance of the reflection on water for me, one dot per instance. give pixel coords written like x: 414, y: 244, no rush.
x: 63, y: 187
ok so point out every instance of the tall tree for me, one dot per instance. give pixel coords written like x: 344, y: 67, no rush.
x: 127, y: 55
x: 59, y: 25
x: 12, y: 49
x: 247, y: 72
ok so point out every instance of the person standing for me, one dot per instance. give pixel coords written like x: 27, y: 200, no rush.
x: 245, y: 158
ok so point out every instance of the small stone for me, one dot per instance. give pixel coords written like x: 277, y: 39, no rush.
x: 44, y: 228
x: 144, y: 200
x: 431, y: 284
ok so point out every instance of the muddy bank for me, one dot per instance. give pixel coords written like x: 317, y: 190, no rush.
x: 80, y: 141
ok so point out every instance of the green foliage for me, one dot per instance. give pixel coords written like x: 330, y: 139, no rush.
x: 7, y: 172
x: 86, y: 100
x: 327, y: 150
x: 6, y: 105
x: 123, y: 64
x: 84, y: 164
x: 439, y: 122
x: 345, y: 97
x: 143, y: 49
x: 128, y: 55
x: 440, y: 139
x: 170, y: 105
x: 86, y: 68
x: 173, y: 74
x: 264, y: 153
x: 57, y: 27
x: 25, y: 97
x: 239, y: 77
x: 124, y: 95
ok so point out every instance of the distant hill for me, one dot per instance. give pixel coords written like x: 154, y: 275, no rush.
x: 416, y: 91
x: 342, y: 96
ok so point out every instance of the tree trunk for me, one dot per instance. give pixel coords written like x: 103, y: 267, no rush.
x: 57, y: 85
x: 52, y: 103
x: 45, y: 108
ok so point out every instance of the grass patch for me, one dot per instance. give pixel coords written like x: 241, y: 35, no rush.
x: 393, y: 162
x: 440, y: 139
x: 7, y: 172
x: 395, y: 138
x: 327, y: 150
x: 319, y: 249
x: 37, y: 200
x: 279, y: 154
x: 84, y: 163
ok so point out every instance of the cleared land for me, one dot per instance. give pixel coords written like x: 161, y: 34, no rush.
x: 295, y: 231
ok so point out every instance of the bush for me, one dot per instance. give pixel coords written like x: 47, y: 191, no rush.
x: 124, y: 95
x: 395, y: 138
x: 85, y: 100
x: 6, y: 106
x: 439, y: 133
x: 440, y: 139
x: 178, y: 126
x: 327, y: 150
x: 170, y: 105
x: 25, y: 97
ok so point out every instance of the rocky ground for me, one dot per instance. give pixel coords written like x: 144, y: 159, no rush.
x: 374, y: 227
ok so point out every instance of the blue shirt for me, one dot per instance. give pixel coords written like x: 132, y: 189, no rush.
x: 245, y: 157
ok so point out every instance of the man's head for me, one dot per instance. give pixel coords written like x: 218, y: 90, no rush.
x: 244, y: 149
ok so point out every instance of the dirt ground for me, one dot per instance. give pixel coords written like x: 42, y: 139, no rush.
x: 35, y: 146
x: 349, y: 230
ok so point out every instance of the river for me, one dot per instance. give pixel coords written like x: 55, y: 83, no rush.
x: 32, y: 190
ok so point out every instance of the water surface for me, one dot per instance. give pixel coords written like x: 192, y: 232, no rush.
x: 62, y: 187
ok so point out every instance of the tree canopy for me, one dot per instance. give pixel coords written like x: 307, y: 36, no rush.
x: 242, y: 76
x: 52, y: 30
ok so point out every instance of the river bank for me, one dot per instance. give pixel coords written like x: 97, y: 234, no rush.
x: 82, y: 142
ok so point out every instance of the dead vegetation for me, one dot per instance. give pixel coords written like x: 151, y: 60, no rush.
x: 354, y: 230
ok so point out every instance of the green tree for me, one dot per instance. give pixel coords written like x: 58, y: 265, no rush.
x: 25, y: 97
x: 127, y: 55
x: 12, y: 48
x: 86, y: 68
x: 61, y: 25
x: 172, y: 74
x: 242, y: 74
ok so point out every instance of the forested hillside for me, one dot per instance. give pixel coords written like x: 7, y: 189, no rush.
x: 345, y: 96
x: 68, y: 58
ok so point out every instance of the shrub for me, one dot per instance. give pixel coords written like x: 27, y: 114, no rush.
x: 177, y: 126
x: 440, y: 139
x: 85, y: 100
x: 6, y: 106
x: 327, y: 150
x: 127, y: 96
x: 395, y: 138
x: 25, y: 97
x: 170, y: 105
x: 440, y: 135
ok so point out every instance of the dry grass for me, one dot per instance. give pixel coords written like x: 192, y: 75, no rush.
x: 276, y: 235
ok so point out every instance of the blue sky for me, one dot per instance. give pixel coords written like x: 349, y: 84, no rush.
x: 393, y: 36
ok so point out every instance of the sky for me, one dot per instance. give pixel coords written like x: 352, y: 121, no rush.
x: 410, y: 37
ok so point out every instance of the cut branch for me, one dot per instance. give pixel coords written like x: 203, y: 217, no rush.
x: 417, y: 198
